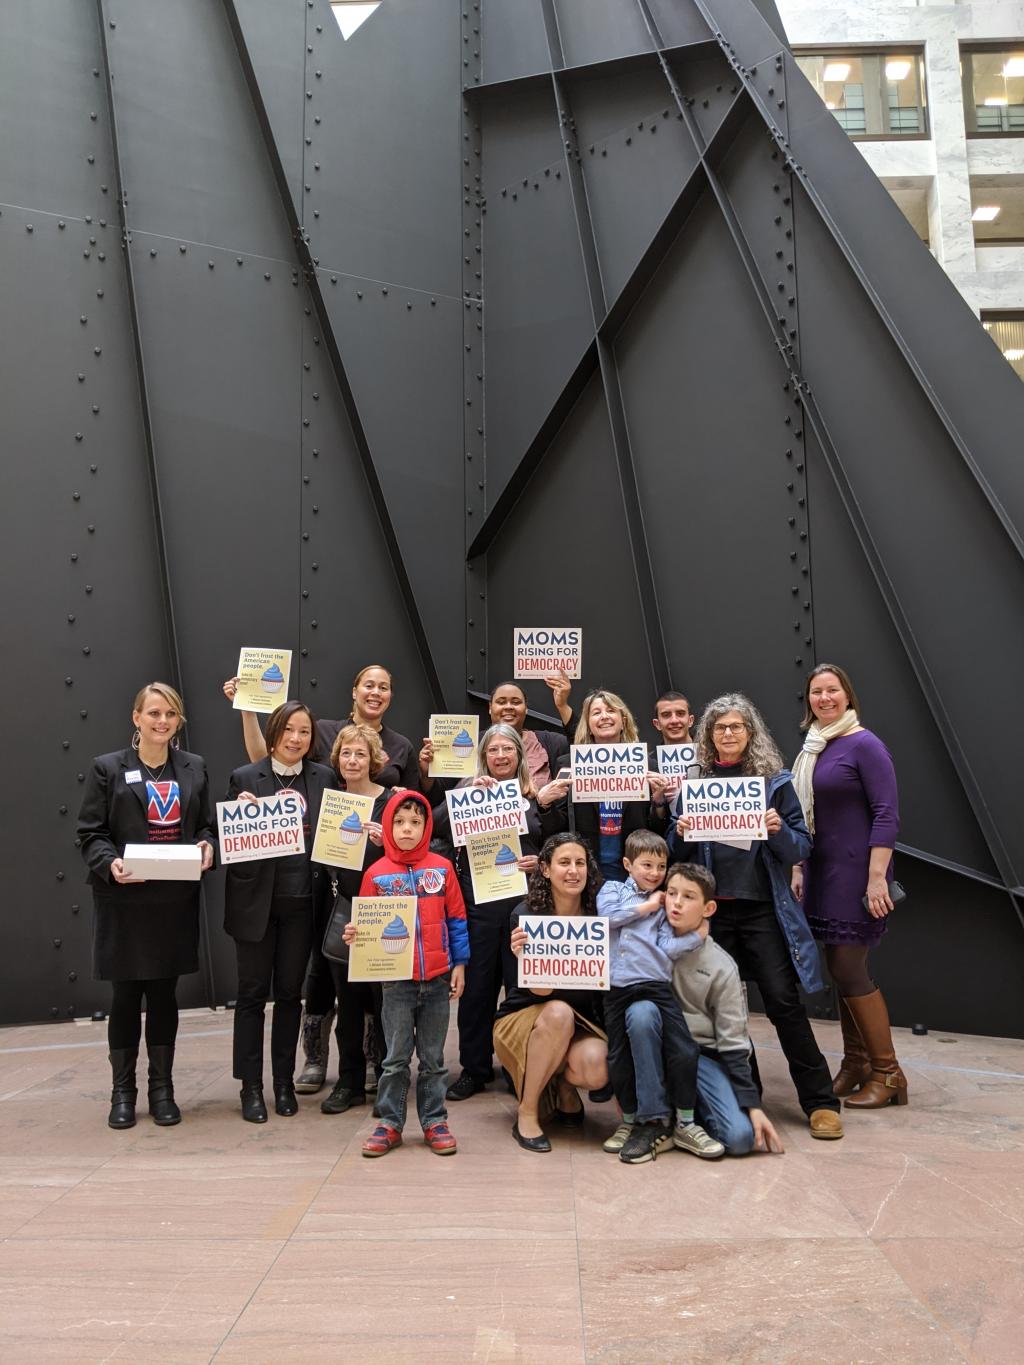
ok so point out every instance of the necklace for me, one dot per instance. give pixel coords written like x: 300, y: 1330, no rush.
x: 286, y: 786
x: 155, y: 776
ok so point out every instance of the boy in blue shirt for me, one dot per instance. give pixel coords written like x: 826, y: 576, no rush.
x: 650, y: 1050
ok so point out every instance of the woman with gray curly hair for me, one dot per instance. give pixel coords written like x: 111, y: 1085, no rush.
x: 758, y: 921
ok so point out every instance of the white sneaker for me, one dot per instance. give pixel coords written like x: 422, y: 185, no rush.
x: 617, y: 1140
x: 691, y: 1137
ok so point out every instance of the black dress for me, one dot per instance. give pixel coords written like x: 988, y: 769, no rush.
x: 150, y: 929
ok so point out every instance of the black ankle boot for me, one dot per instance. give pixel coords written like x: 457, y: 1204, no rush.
x: 124, y: 1093
x: 285, y: 1102
x: 162, y: 1108
x: 254, y: 1108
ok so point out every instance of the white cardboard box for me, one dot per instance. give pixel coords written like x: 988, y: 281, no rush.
x: 164, y: 862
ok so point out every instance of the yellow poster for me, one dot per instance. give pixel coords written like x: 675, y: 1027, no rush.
x: 262, y: 679
x: 454, y: 739
x: 340, y: 839
x: 385, y: 938
x: 493, y: 866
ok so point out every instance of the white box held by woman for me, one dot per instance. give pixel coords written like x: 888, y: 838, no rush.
x: 164, y: 862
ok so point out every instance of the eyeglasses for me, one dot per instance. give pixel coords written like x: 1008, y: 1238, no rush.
x: 728, y: 729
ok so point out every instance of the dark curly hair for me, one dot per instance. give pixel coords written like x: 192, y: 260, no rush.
x: 539, y: 900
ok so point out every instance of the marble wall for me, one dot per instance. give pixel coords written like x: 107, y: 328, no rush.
x: 990, y: 278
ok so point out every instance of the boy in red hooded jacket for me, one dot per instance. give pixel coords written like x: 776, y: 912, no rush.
x: 415, y: 1013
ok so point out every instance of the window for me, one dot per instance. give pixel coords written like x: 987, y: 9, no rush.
x: 1007, y: 331
x: 997, y: 212
x: 993, y: 85
x: 877, y: 93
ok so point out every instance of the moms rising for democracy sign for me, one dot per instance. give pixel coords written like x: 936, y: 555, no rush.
x: 610, y: 772
x: 726, y: 808
x: 483, y: 810
x: 265, y: 827
x: 567, y: 951
x: 537, y: 650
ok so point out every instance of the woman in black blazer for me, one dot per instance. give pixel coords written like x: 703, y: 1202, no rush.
x: 145, y: 934
x: 269, y: 909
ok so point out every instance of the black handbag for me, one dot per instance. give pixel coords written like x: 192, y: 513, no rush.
x: 897, y: 894
x: 334, y: 948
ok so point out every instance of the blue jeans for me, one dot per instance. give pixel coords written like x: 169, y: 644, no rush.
x: 717, y: 1110
x: 414, y: 1014
x: 643, y: 1029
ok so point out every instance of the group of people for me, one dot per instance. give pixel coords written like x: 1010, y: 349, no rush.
x: 689, y: 921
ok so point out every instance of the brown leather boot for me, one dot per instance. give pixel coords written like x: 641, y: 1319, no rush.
x: 887, y: 1083
x: 855, y: 1068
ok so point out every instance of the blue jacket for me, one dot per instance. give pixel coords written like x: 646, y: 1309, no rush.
x: 778, y: 854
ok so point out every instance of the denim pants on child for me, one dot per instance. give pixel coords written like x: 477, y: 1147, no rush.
x: 650, y: 1051
x: 718, y: 1111
x: 414, y: 1014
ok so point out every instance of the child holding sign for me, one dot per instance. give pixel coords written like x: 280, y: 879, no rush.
x: 650, y: 1050
x: 415, y: 1013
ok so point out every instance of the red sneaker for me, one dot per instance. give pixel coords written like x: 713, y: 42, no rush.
x: 381, y: 1140
x: 439, y: 1139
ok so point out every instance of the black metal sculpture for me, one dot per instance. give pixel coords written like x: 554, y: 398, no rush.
x: 499, y: 310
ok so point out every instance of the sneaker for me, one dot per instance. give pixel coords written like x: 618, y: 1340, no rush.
x: 691, y: 1137
x: 340, y: 1099
x: 439, y: 1139
x: 465, y: 1087
x: 645, y: 1142
x: 381, y: 1140
x: 618, y: 1138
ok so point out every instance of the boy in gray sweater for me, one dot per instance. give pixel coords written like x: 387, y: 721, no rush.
x: 707, y: 985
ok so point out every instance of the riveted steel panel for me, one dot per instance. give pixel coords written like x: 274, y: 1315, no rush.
x: 677, y: 23
x: 514, y: 42
x: 636, y: 156
x: 599, y: 30
x: 194, y: 164
x: 571, y: 515
x: 53, y: 47
x: 82, y: 609
x: 276, y: 38
x: 708, y: 417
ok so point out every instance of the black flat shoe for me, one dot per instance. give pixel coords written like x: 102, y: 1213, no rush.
x: 285, y: 1102
x: 537, y: 1144
x: 569, y: 1118
x: 254, y: 1109
x: 600, y: 1096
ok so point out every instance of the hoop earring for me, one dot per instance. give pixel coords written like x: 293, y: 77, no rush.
x: 136, y: 740
x: 175, y: 742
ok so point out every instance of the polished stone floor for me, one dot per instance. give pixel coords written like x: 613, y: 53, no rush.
x: 218, y: 1240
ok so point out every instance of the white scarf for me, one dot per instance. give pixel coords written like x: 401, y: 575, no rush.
x: 814, y: 743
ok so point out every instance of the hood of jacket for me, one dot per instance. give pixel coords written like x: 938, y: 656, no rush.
x: 409, y: 857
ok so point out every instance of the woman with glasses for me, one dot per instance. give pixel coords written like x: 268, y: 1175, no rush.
x: 758, y: 921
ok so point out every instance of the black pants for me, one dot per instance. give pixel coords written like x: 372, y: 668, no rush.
x: 274, y: 966
x: 491, y: 965
x: 679, y: 1052
x: 749, y: 931
x: 356, y: 999
x: 124, y: 1025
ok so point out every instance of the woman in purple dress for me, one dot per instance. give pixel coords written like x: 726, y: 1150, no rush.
x: 846, y: 782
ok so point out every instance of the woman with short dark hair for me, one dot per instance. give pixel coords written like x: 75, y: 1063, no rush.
x: 270, y: 906
x: 145, y: 933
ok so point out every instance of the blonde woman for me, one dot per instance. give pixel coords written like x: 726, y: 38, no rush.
x: 145, y: 934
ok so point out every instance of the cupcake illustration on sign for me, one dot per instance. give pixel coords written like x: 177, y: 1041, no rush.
x: 351, y: 828
x: 505, y: 861
x: 462, y: 744
x: 394, y: 936
x: 272, y: 680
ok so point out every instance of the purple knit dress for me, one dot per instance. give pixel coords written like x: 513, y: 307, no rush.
x: 855, y: 810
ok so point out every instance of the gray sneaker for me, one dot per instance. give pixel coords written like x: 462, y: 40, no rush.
x: 691, y: 1137
x: 618, y: 1138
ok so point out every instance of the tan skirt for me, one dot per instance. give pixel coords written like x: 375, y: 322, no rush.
x: 512, y: 1038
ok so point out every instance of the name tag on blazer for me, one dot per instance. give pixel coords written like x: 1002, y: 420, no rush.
x: 133, y: 776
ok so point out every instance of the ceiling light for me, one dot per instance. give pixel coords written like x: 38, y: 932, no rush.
x: 986, y: 213
x: 996, y: 102
x: 830, y: 104
x: 1014, y: 353
x: 836, y: 72
x: 987, y: 326
x: 1014, y: 67
x: 897, y: 71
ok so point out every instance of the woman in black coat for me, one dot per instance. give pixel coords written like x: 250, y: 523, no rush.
x: 270, y: 905
x: 145, y: 933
